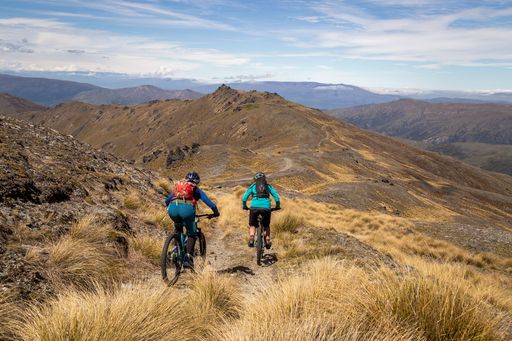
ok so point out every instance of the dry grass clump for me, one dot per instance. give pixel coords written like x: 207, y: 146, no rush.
x: 165, y: 184
x: 440, y: 310
x: 132, y: 201
x: 156, y: 216
x: 149, y: 246
x: 9, y: 312
x: 231, y: 213
x: 287, y: 223
x: 493, y: 288
x: 84, y: 257
x: 148, y: 311
x: 333, y: 301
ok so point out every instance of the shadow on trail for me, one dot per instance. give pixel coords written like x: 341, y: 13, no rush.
x: 237, y: 269
x: 268, y: 259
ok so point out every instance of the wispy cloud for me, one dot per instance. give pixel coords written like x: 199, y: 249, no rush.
x: 241, y: 78
x: 63, y: 47
x: 151, y: 14
x: 431, y: 39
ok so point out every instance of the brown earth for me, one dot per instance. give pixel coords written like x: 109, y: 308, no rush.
x: 479, y: 134
x: 11, y: 105
x: 228, y: 135
x: 348, y: 194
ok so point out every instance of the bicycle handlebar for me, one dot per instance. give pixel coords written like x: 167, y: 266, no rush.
x: 201, y: 215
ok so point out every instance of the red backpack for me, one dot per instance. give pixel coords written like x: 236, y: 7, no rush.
x: 185, y: 191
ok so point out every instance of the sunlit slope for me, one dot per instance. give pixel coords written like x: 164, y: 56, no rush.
x: 305, y: 151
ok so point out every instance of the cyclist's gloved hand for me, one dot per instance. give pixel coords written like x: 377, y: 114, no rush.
x: 245, y: 207
x: 214, y: 215
x: 278, y: 207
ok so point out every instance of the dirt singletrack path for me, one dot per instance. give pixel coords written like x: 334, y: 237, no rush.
x: 229, y: 254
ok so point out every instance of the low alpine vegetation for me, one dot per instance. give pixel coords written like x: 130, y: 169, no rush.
x: 140, y: 311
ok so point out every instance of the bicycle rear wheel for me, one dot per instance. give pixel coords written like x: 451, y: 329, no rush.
x: 259, y: 245
x: 170, y: 260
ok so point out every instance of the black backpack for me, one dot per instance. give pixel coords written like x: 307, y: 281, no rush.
x: 262, y: 188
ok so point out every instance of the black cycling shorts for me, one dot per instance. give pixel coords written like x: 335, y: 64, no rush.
x: 265, y: 217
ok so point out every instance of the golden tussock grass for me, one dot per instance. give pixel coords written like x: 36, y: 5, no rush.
x: 143, y: 311
x: 287, y: 223
x: 148, y: 245
x: 156, y: 216
x: 9, y: 312
x: 165, y: 184
x: 83, y: 257
x: 132, y: 201
x: 335, y: 301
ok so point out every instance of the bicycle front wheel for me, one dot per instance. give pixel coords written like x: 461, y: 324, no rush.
x: 170, y: 260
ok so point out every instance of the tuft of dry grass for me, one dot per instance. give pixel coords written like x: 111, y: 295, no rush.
x: 9, y: 312
x: 149, y: 311
x: 84, y: 257
x: 149, y: 246
x: 156, y: 216
x: 165, y: 184
x: 335, y: 301
x: 287, y: 223
x: 132, y: 201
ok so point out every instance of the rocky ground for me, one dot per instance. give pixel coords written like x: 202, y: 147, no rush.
x: 47, y: 182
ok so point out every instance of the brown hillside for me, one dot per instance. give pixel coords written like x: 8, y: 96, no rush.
x: 419, y: 245
x: 11, y: 104
x: 305, y: 151
x: 479, y: 134
x: 435, y: 122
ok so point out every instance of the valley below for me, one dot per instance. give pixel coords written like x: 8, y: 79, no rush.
x: 377, y: 239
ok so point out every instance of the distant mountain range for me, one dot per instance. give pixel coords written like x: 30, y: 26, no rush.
x: 480, y: 134
x: 50, y: 92
x: 312, y: 94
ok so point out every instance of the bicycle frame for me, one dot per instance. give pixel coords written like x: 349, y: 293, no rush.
x: 183, y: 238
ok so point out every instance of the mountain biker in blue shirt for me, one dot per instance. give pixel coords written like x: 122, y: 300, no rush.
x: 181, y: 206
x: 260, y: 191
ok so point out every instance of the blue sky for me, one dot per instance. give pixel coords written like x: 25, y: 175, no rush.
x: 425, y: 44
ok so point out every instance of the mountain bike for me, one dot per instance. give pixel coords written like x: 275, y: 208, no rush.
x: 260, y: 242
x: 173, y: 252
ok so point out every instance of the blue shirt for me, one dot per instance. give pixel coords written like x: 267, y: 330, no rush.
x: 260, y: 202
x: 198, y: 195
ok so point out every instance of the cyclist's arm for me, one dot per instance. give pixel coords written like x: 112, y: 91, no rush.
x: 246, y: 196
x: 275, y: 195
x: 208, y: 202
x: 168, y: 200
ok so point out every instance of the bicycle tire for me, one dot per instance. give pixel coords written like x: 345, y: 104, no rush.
x: 259, y: 245
x: 202, y: 245
x: 166, y: 260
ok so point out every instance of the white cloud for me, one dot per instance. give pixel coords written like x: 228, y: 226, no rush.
x: 62, y: 47
x: 428, y: 39
x: 147, y: 14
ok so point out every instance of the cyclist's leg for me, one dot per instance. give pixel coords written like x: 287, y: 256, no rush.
x: 174, y: 212
x: 253, y: 222
x: 188, y: 213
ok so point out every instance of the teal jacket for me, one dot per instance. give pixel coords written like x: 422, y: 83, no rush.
x: 260, y: 202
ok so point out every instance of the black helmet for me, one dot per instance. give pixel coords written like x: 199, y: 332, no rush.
x: 259, y: 175
x: 193, y: 177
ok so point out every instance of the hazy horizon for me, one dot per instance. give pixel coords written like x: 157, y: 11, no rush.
x: 391, y: 44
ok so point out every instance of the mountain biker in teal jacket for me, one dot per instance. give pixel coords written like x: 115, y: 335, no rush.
x: 181, y: 206
x: 260, y: 191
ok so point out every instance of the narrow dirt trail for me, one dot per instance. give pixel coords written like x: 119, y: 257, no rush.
x: 228, y: 253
